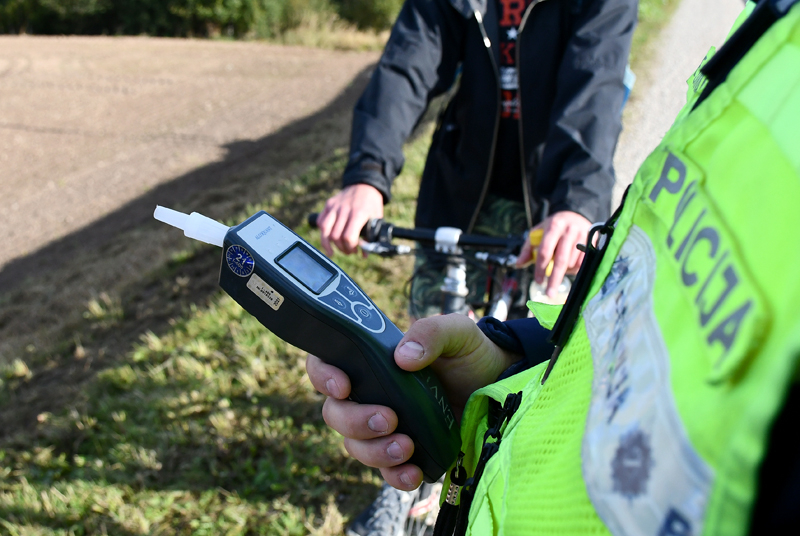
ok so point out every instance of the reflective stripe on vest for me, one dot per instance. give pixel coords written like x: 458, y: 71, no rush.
x: 655, y: 418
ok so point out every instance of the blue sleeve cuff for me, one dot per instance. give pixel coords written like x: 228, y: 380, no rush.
x: 524, y: 336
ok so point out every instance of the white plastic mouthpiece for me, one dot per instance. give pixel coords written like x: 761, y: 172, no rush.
x: 194, y: 225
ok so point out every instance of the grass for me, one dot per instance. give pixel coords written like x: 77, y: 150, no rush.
x: 326, y: 30
x: 206, y: 424
x: 208, y: 428
x: 321, y: 30
x: 653, y: 15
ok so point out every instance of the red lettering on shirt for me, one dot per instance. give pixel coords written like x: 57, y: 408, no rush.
x: 507, y: 53
x: 512, y: 12
x: 509, y: 104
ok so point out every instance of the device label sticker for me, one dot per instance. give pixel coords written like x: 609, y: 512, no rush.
x: 262, y: 289
x: 239, y: 260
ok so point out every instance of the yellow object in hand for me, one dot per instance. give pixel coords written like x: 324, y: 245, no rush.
x: 535, y: 238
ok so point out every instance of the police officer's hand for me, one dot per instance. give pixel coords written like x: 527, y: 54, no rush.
x: 463, y: 359
x: 345, y: 214
x: 563, y: 231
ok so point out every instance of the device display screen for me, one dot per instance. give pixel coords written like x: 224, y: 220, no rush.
x: 305, y: 268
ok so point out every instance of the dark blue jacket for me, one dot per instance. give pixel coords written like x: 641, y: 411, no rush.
x: 572, y: 56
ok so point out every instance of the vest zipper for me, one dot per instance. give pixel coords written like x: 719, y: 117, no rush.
x: 457, y: 479
x: 452, y: 518
x: 526, y: 187
x: 488, y: 45
x: 446, y: 519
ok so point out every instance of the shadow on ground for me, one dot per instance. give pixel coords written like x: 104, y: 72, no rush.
x: 71, y: 313
x: 118, y: 262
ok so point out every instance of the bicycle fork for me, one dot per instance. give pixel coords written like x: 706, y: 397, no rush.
x: 454, y: 289
x: 501, y: 307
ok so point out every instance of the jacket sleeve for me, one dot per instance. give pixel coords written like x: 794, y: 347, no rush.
x: 587, y: 115
x: 418, y: 63
x: 523, y: 336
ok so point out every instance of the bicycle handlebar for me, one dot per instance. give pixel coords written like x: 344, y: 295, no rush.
x: 379, y: 230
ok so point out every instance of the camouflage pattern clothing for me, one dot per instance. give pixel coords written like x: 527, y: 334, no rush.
x: 499, y: 217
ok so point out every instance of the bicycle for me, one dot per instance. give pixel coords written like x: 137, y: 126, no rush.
x: 456, y: 250
x: 503, y: 299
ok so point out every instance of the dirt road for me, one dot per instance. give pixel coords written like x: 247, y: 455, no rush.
x: 94, y: 132
x: 660, y: 92
x: 89, y: 124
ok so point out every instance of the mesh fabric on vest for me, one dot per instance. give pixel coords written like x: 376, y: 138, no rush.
x: 547, y: 452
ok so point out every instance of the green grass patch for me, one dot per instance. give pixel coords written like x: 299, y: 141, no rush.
x: 653, y: 15
x: 208, y: 428
x: 351, y: 24
x: 336, y: 24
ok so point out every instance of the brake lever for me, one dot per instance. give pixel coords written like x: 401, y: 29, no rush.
x: 506, y: 260
x: 384, y: 249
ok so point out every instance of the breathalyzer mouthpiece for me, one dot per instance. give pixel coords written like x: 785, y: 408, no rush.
x: 194, y: 225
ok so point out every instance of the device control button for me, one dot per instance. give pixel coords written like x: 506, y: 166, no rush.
x: 370, y: 318
x: 337, y: 301
x: 349, y: 290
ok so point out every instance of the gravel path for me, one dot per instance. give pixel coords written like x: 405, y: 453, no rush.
x: 660, y: 92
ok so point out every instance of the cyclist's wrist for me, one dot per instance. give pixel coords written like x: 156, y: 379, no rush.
x: 497, y: 332
x: 369, y: 173
x: 523, y: 338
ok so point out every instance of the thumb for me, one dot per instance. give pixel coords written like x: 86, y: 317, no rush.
x: 525, y: 255
x: 465, y: 359
x: 448, y: 336
x: 410, y: 355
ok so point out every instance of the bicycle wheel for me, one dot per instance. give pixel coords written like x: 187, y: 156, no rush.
x: 422, y: 514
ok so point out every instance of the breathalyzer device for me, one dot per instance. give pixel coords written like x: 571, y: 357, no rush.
x: 309, y: 302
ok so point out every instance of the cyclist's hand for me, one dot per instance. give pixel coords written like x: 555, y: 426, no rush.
x: 460, y: 354
x: 345, y: 214
x: 563, y: 231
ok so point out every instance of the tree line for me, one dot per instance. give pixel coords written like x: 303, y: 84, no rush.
x: 241, y: 19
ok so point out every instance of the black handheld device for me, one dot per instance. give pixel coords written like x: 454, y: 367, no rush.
x: 309, y: 302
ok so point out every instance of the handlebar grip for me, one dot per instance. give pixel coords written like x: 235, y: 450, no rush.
x: 370, y: 232
x: 378, y: 229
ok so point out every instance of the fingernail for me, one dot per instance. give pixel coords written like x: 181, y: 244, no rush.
x: 332, y: 388
x: 377, y: 423
x: 405, y: 479
x: 411, y: 350
x: 394, y: 451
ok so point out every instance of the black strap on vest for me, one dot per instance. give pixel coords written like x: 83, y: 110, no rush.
x: 452, y: 519
x: 720, y: 65
x: 580, y: 288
